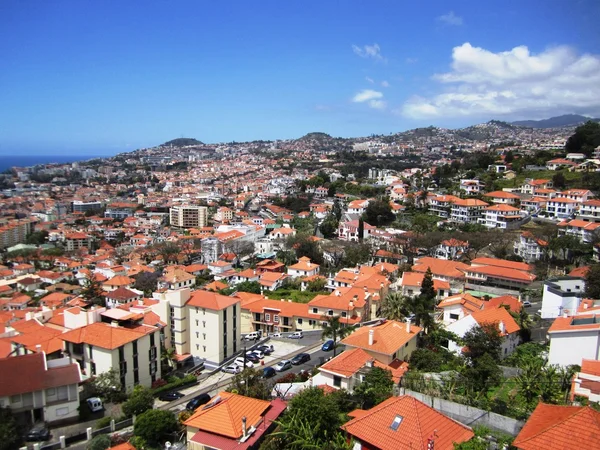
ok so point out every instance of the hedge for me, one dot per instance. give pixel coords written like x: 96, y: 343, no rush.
x: 185, y: 381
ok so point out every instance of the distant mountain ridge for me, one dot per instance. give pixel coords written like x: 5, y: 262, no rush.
x: 565, y: 120
x: 182, y: 142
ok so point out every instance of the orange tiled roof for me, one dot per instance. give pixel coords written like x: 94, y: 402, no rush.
x: 388, y: 337
x: 497, y: 315
x: 211, y: 300
x: 441, y: 267
x: 469, y: 303
x: 556, y: 427
x: 103, y: 335
x: 418, y: 423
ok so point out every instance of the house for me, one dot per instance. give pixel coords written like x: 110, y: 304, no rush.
x: 500, y: 317
x: 404, y: 423
x: 218, y: 267
x: 386, y: 342
x: 502, y: 216
x: 348, y: 231
x: 533, y: 205
x: 586, y: 382
x: 531, y: 186
x: 451, y: 271
x: 411, y: 285
x: 561, y: 208
x: 214, y: 325
x: 451, y: 249
x: 39, y: 390
x: 561, y: 296
x: 560, y: 163
x: 441, y: 205
x: 232, y: 421
x: 558, y: 427
x: 493, y: 272
x: 351, y: 304
x: 586, y: 232
x: 348, y: 369
x: 134, y: 351
x: 176, y: 279
x: 529, y: 247
x: 573, y: 339
x: 471, y: 187
x: 590, y: 211
x: 303, y: 268
x: 357, y: 207
x: 117, y: 282
x: 121, y: 296
x: 468, y: 210
x: 77, y: 240
x: 272, y: 280
x: 502, y: 198
x: 458, y: 306
x: 247, y: 275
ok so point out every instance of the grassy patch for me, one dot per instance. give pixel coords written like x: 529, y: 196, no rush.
x: 571, y: 178
x: 294, y: 295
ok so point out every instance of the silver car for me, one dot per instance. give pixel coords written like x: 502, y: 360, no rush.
x: 283, y: 365
x: 232, y: 369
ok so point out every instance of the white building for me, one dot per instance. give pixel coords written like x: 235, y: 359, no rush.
x: 303, y: 268
x: 529, y: 247
x: 561, y: 208
x: 39, y: 390
x: 471, y: 187
x: 562, y: 296
x: 468, y: 210
x: 504, y: 217
x: 573, y: 339
x: 188, y: 216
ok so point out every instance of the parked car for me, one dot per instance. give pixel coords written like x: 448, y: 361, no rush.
x: 240, y: 362
x: 266, y: 349
x: 275, y: 335
x: 39, y: 433
x: 268, y: 372
x: 300, y: 358
x: 252, y: 357
x: 200, y: 400
x: 328, y: 345
x: 526, y: 304
x: 170, y: 396
x: 252, y: 336
x: 296, y: 335
x: 283, y: 365
x: 258, y: 352
x: 94, y: 404
x: 232, y: 368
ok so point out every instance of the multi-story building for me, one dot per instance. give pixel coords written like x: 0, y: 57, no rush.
x: 13, y: 232
x: 39, y: 390
x: 573, y: 339
x: 561, y: 208
x: 502, y: 197
x: 585, y: 231
x: 502, y: 216
x: 562, y: 296
x: 589, y: 210
x: 348, y: 231
x: 529, y: 247
x: 471, y: 187
x: 188, y: 216
x: 441, y: 205
x: 531, y: 186
x: 134, y: 351
x: 468, y: 210
x: 77, y: 240
x: 82, y: 207
x: 120, y: 210
x: 451, y: 249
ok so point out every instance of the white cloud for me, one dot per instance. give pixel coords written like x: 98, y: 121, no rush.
x: 369, y: 51
x: 450, y: 19
x: 370, y: 80
x: 385, y: 84
x: 373, y: 98
x: 514, y: 83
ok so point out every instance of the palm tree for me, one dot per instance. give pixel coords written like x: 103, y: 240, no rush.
x: 333, y: 328
x: 394, y: 306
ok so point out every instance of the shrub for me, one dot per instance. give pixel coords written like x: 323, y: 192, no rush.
x: 177, y: 382
x: 104, y: 422
x: 100, y: 442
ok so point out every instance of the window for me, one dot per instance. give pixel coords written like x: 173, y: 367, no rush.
x: 315, y: 310
x: 204, y: 323
x: 204, y: 348
x: 197, y: 334
x: 197, y: 346
x: 337, y: 381
x: 330, y: 312
x: 276, y: 319
x: 311, y: 322
x: 396, y: 423
x: 197, y: 322
x: 454, y: 316
x: 267, y: 317
x: 196, y: 310
x: 344, y: 314
x: 204, y: 336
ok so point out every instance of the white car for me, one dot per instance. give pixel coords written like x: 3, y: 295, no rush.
x: 275, y: 335
x: 239, y: 361
x: 259, y: 353
x: 232, y: 369
x: 296, y: 335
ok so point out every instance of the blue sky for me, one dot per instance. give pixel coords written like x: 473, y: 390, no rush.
x: 84, y: 76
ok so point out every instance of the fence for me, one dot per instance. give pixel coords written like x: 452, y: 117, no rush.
x: 469, y: 415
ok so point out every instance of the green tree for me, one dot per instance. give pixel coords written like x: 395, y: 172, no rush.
x: 393, y: 306
x: 329, y: 227
x: 592, y: 282
x: 524, y: 321
x: 377, y: 386
x: 299, y: 434
x: 482, y: 374
x: 155, y: 425
x: 92, y: 291
x: 100, y: 442
x: 250, y: 383
x: 140, y: 401
x: 356, y: 254
x: 483, y: 339
x: 585, y: 139
x: 313, y: 407
x: 559, y: 181
x: 248, y: 286
x: 10, y: 434
x: 426, y: 360
x: 428, y: 293
x: 107, y: 385
x: 361, y: 229
x: 316, y: 285
x: 379, y: 213
x: 334, y: 329
x: 147, y: 282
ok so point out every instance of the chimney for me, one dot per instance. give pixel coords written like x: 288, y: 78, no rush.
x: 502, y: 327
x: 408, y: 325
x: 371, y: 336
x: 38, y: 348
x: 351, y: 304
x: 244, y: 429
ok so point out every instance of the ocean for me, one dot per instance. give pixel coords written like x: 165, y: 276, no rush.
x: 8, y: 161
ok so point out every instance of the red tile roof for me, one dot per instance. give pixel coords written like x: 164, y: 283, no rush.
x: 555, y: 427
x: 418, y: 424
x: 103, y: 335
x: 211, y: 300
x: 388, y: 337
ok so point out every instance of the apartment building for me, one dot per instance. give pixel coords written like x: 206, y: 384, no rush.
x: 120, y: 210
x: 348, y: 231
x: 471, y: 187
x: 573, y: 339
x: 13, y: 232
x: 529, y: 247
x: 532, y: 186
x: 502, y: 197
x: 36, y: 389
x: 451, y: 249
x: 562, y: 296
x: 82, y: 207
x: 585, y: 231
x: 501, y: 216
x: 441, y: 205
x: 188, y: 216
x: 561, y: 208
x: 468, y: 210
x: 134, y: 351
x: 77, y: 240
x: 589, y: 210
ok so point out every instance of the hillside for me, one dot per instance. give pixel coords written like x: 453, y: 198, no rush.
x: 182, y: 142
x: 566, y: 120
